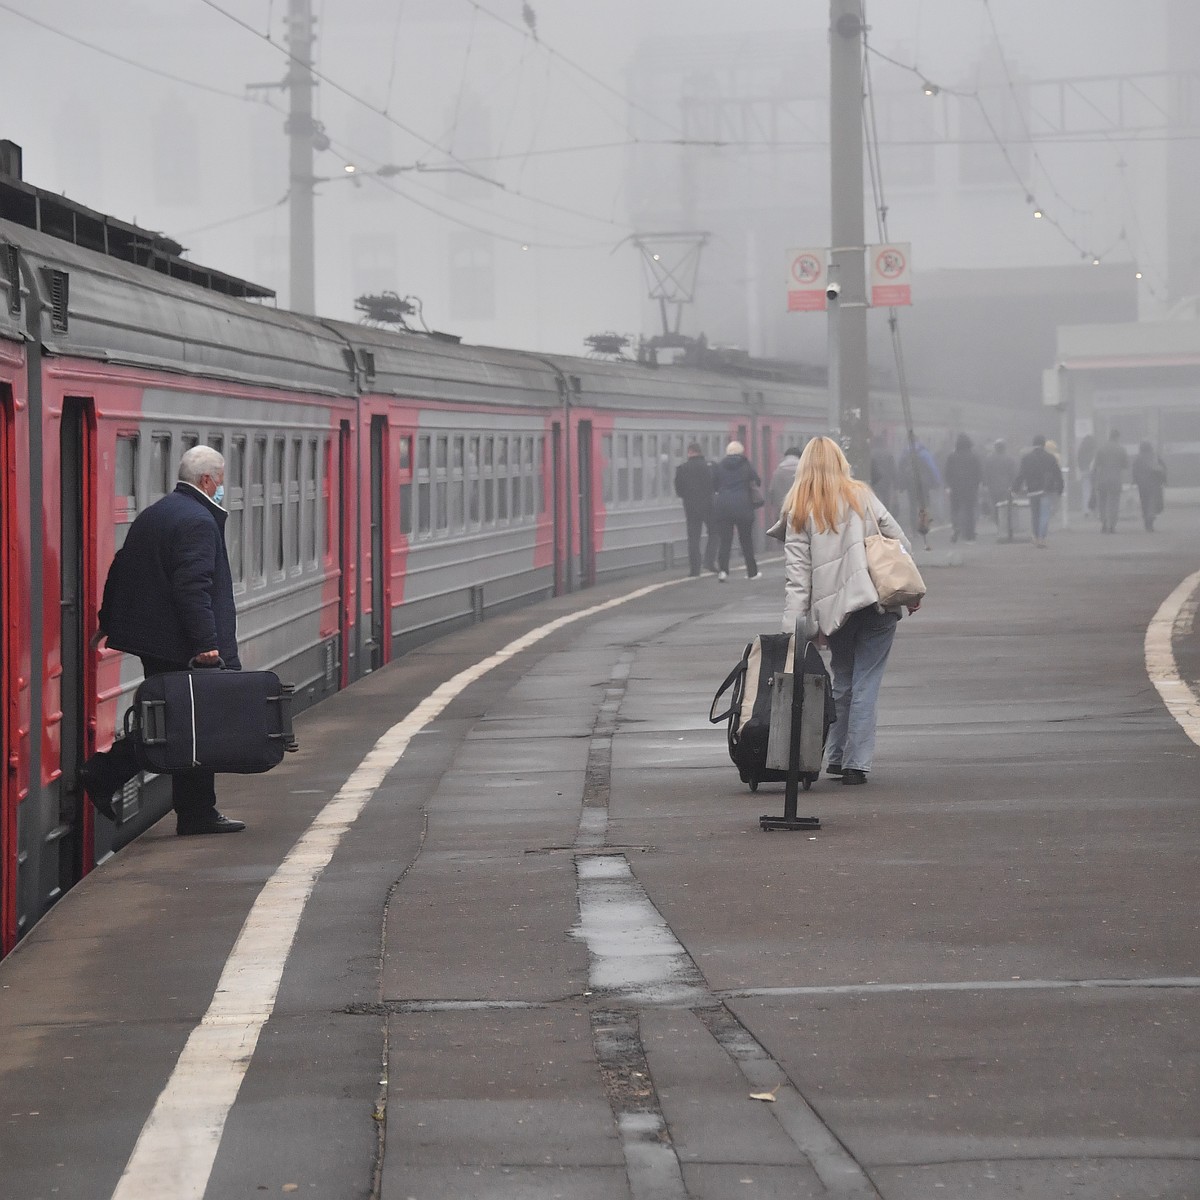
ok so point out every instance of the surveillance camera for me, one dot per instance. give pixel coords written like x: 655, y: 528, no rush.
x: 833, y: 290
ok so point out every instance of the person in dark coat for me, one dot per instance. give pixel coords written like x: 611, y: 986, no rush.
x: 733, y: 508
x: 999, y: 474
x: 169, y: 600
x: 1041, y: 477
x: 1108, y: 470
x: 782, y: 479
x: 694, y: 486
x: 963, y: 475
x: 883, y: 472
x: 1149, y: 475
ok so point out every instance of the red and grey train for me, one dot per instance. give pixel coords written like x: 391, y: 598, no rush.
x: 382, y: 488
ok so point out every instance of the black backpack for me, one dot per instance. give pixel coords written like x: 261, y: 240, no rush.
x: 749, y: 711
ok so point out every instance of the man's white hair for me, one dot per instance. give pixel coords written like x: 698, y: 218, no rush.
x: 200, y: 461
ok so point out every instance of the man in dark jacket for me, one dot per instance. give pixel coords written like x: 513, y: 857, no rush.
x: 169, y: 600
x: 963, y: 475
x: 1041, y: 477
x: 694, y: 486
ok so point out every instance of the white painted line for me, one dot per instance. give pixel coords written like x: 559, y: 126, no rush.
x: 1174, y: 618
x: 177, y: 1147
x: 963, y: 985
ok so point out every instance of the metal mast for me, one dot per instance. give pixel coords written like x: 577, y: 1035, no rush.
x: 848, y: 309
x: 300, y: 130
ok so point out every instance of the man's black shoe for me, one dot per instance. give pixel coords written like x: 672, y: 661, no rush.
x: 851, y: 775
x: 835, y: 769
x: 214, y: 824
x: 101, y: 800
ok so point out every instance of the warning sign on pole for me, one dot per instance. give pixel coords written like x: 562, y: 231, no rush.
x: 807, y: 272
x: 891, y: 281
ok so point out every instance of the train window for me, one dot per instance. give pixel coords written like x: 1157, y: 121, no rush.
x: 473, y: 485
x: 637, y: 467
x: 235, y: 503
x: 441, y: 487
x: 606, y: 466
x: 622, y: 461
x: 293, y: 503
x: 125, y: 505
x: 310, y: 503
x: 489, y: 481
x: 327, y: 516
x: 457, y: 458
x: 527, y: 500
x: 539, y: 474
x: 502, y: 479
x: 160, y: 465
x: 277, y: 495
x: 424, y: 516
x: 404, y: 458
x: 258, y: 511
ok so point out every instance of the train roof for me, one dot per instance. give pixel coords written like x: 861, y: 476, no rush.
x: 100, y: 307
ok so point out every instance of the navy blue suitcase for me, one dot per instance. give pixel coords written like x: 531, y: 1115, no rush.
x: 233, y: 722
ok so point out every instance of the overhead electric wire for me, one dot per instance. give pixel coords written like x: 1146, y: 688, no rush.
x: 254, y: 212
x: 608, y: 87
x: 881, y: 209
x: 420, y: 137
x: 129, y: 62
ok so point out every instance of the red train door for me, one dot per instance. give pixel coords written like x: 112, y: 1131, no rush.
x: 8, y: 778
x: 587, y: 513
x: 343, y: 509
x: 381, y: 617
x: 72, y: 834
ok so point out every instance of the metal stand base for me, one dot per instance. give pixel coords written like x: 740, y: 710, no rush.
x: 785, y: 822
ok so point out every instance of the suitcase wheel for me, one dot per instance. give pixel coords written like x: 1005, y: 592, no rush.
x: 806, y: 781
x: 754, y: 785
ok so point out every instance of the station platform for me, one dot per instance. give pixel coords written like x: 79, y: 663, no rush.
x: 507, y: 926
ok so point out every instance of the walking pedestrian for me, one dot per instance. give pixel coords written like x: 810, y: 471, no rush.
x: 999, y: 474
x: 917, y: 473
x: 1040, y: 477
x: 694, y: 486
x: 1149, y: 473
x: 964, y: 474
x: 829, y: 515
x: 733, y: 508
x: 169, y: 600
x: 1108, y: 474
x: 782, y: 479
x: 883, y: 471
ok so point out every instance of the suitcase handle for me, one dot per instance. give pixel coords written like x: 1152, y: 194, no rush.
x: 730, y: 679
x: 152, y: 726
x: 193, y: 664
x: 285, y: 734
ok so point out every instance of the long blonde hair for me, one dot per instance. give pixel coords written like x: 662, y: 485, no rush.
x: 824, y: 487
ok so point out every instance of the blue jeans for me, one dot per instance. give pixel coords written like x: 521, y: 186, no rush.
x: 859, y: 651
x: 1041, y: 505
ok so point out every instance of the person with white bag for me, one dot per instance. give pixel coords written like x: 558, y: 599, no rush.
x: 850, y: 573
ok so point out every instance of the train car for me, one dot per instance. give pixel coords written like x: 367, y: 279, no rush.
x: 382, y: 487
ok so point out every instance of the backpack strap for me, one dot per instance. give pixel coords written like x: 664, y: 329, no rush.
x: 738, y: 673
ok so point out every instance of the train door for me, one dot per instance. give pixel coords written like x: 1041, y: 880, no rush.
x: 342, y: 508
x: 8, y: 799
x: 561, y: 581
x: 380, y: 618
x: 67, y: 840
x: 587, y: 547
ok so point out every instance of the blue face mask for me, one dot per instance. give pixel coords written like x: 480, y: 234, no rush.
x: 219, y: 495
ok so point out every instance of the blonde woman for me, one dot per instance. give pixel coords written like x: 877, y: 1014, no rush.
x: 829, y: 586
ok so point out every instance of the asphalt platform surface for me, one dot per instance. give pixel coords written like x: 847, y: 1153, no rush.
x: 555, y: 955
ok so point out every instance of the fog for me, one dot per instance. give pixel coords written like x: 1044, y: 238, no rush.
x: 523, y: 146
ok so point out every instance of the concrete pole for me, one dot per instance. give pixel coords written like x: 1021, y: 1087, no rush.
x: 848, y: 310
x: 299, y: 128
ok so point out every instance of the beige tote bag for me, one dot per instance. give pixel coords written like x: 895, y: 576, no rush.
x: 892, y: 569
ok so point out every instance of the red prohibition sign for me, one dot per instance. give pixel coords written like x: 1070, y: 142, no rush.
x: 891, y: 263
x: 806, y: 268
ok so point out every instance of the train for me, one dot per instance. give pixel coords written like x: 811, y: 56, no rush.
x: 384, y: 487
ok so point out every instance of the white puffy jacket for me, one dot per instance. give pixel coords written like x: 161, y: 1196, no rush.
x: 827, y: 576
